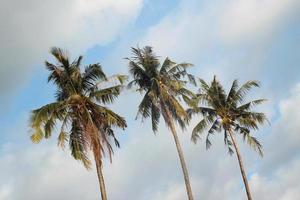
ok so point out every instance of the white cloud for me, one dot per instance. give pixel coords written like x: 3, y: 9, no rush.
x: 247, y: 19
x: 226, y: 37
x: 282, y: 185
x: 43, y: 172
x: 30, y: 28
x: 284, y: 140
x: 5, y: 192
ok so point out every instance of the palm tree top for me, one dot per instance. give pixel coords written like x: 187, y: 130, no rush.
x: 161, y: 84
x: 227, y: 112
x: 80, y: 107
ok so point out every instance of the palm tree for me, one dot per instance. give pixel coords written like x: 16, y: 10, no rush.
x: 161, y: 85
x: 228, y: 113
x: 79, y: 107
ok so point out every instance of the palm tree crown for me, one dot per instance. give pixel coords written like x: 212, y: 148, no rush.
x: 227, y: 112
x: 79, y: 107
x: 161, y: 85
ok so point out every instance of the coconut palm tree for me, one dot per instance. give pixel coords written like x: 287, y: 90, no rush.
x: 228, y: 113
x: 80, y: 109
x: 161, y: 84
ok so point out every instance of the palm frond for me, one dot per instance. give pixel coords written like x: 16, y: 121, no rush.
x: 78, y: 144
x: 248, y: 106
x: 214, y: 127
x: 49, y: 126
x: 107, y: 95
x: 155, y: 115
x: 92, y: 74
x: 37, y: 135
x: 145, y: 106
x: 252, y: 119
x: 167, y: 64
x: 228, y: 143
x: 47, y: 115
x: 200, y: 127
x: 231, y: 100
x: 62, y: 139
x: 60, y: 55
x: 244, y: 89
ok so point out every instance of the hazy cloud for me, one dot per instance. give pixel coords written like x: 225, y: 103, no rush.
x: 30, y: 28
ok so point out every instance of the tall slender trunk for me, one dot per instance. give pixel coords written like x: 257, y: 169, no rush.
x: 101, y: 179
x: 241, y: 165
x: 180, y: 154
x: 97, y: 156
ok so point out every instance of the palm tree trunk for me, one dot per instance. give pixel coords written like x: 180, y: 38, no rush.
x: 101, y: 180
x: 241, y: 165
x: 180, y: 154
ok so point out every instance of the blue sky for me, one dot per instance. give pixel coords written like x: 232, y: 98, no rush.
x: 231, y: 39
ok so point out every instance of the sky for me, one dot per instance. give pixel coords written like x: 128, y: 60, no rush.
x: 232, y: 39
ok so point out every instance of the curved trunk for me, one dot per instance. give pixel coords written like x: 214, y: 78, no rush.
x: 180, y: 154
x: 183, y: 165
x: 97, y: 156
x: 241, y: 165
x: 101, y: 180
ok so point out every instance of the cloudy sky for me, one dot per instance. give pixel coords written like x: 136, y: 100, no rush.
x: 244, y: 39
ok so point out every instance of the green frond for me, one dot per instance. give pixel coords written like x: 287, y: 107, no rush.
x: 255, y: 144
x: 78, y: 144
x: 188, y: 97
x: 155, y: 115
x: 60, y: 55
x: 37, y: 135
x: 92, y: 74
x: 248, y: 122
x: 167, y: 64
x: 228, y: 143
x: 172, y: 103
x: 252, y: 119
x: 49, y: 126
x: 244, y: 89
x: 176, y: 108
x: 214, y: 127
x: 231, y: 100
x: 107, y: 95
x: 189, y: 101
x: 45, y: 116
x: 77, y: 62
x: 112, y: 118
x: 137, y: 71
x: 179, y: 69
x: 200, y: 127
x: 252, y: 141
x: 217, y: 94
x: 110, y: 132
x: 62, y: 139
x: 248, y: 106
x: 145, y: 107
x: 204, y: 87
x: 193, y: 111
